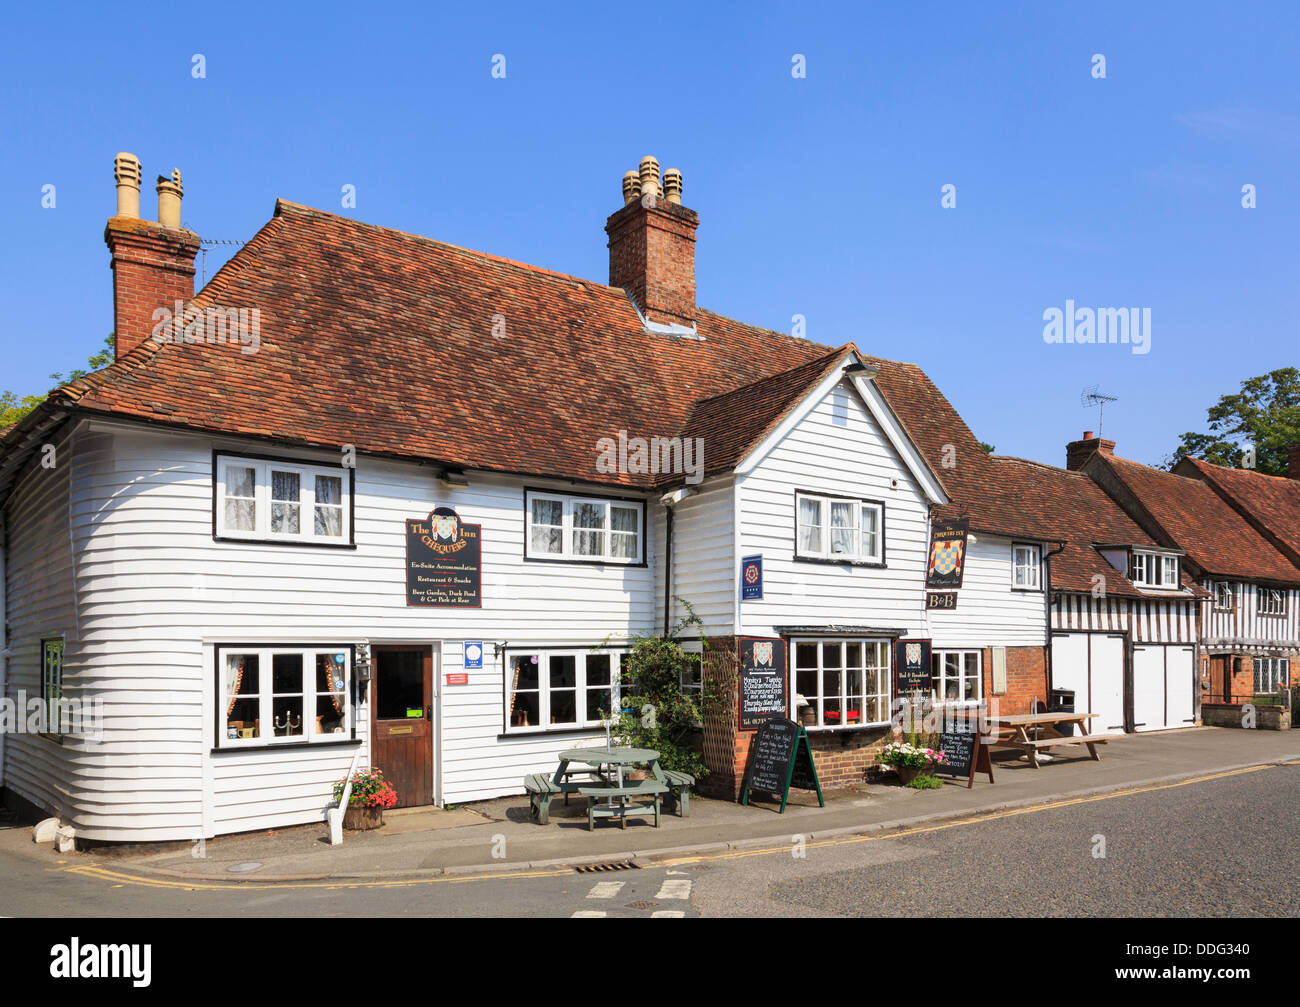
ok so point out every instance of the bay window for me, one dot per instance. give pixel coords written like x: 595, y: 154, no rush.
x: 583, y: 529
x: 842, y: 682
x: 275, y: 695
x: 282, y: 501
x: 839, y: 528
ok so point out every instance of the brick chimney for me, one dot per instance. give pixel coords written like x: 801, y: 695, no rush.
x: 1078, y: 452
x: 652, y: 245
x: 1293, y: 461
x: 153, y: 263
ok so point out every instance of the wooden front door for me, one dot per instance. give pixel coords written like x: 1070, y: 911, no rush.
x: 401, y: 720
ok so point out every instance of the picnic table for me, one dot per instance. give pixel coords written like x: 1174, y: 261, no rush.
x: 603, y: 769
x: 1047, y: 733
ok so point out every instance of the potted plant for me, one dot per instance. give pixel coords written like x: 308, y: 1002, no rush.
x: 371, y: 794
x: 911, y: 761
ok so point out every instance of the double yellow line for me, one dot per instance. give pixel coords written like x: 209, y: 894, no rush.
x: 120, y: 878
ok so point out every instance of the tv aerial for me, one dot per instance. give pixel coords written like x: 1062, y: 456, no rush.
x: 1091, y: 397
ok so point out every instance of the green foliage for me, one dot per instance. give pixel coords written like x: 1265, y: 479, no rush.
x: 13, y: 407
x: 925, y: 782
x: 1265, y: 413
x: 656, y: 713
x: 987, y: 448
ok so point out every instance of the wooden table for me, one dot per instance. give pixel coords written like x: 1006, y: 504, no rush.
x: 1049, y: 724
x: 616, y: 790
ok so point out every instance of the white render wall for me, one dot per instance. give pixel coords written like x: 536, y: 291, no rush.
x: 989, y: 612
x: 848, y: 460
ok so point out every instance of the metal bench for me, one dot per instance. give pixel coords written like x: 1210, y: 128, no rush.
x: 540, y: 789
x: 633, y: 788
x: 679, y: 792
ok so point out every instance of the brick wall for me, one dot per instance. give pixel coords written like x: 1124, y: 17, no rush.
x: 1026, y: 679
x: 652, y: 254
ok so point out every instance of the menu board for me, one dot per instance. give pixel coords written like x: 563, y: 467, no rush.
x: 444, y: 561
x: 762, y: 682
x: 967, y: 754
x: 780, y: 757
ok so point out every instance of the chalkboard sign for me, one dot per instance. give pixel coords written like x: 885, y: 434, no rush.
x: 912, y: 661
x: 780, y: 757
x: 762, y: 682
x: 967, y: 755
x: 444, y: 561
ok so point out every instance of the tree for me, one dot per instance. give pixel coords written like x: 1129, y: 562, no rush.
x: 987, y: 448
x: 13, y: 407
x: 1264, y: 415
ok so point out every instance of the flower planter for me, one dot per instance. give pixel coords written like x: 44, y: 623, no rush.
x: 359, y: 818
x: 906, y: 774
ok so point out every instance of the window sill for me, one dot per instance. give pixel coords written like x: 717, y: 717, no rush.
x: 310, y: 544
x: 299, y: 745
x: 846, y: 729
x: 552, y: 732
x: 1026, y: 590
x: 829, y: 561
x: 585, y: 562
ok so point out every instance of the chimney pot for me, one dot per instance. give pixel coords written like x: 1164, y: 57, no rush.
x: 673, y: 185
x: 1087, y: 435
x: 631, y: 187
x: 649, y: 177
x: 126, y: 172
x: 169, y: 200
x: 1078, y: 452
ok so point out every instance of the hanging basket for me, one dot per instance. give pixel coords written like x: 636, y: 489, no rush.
x: 360, y: 818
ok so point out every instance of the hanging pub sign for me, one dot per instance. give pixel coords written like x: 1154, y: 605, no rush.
x: 751, y: 578
x: 947, y: 554
x: 444, y: 561
x: 762, y: 682
x: 940, y: 601
x: 912, y: 666
x: 780, y: 758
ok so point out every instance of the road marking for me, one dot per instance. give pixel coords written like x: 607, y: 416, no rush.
x: 589, y: 914
x: 671, y: 889
x: 606, y: 890
x: 667, y: 914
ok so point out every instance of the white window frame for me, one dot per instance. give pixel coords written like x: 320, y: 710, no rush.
x: 821, y: 549
x: 581, y: 688
x: 262, y: 481
x: 940, y: 677
x: 1031, y: 564
x: 1276, y: 670
x: 266, y: 700
x: 1222, y: 588
x: 886, y: 672
x: 1266, y: 596
x: 568, y: 552
x: 1155, y: 569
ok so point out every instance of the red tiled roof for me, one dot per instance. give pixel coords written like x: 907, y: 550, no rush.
x: 1199, y: 521
x: 1270, y: 502
x: 385, y: 340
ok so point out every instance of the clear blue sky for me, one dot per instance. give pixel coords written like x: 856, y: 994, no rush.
x: 817, y: 196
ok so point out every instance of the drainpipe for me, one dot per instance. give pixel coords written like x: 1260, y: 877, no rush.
x: 670, y: 500
x: 1047, y: 613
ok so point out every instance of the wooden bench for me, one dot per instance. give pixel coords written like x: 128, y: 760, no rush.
x: 679, y: 789
x: 632, y: 788
x: 540, y: 791
x: 1086, y: 739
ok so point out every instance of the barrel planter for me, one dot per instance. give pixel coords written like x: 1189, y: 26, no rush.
x: 359, y: 818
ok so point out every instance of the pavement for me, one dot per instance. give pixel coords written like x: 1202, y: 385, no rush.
x: 498, y: 835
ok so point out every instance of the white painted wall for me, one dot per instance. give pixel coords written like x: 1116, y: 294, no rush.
x: 989, y: 612
x: 851, y: 458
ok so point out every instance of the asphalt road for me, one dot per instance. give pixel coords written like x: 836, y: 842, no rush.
x: 1216, y: 847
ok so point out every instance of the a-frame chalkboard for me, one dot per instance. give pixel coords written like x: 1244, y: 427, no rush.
x: 779, y: 759
x: 967, y: 754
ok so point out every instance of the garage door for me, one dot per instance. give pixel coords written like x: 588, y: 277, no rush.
x: 1163, y: 680
x: 1092, y: 664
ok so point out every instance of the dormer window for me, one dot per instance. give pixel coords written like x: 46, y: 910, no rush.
x: 1155, y: 570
